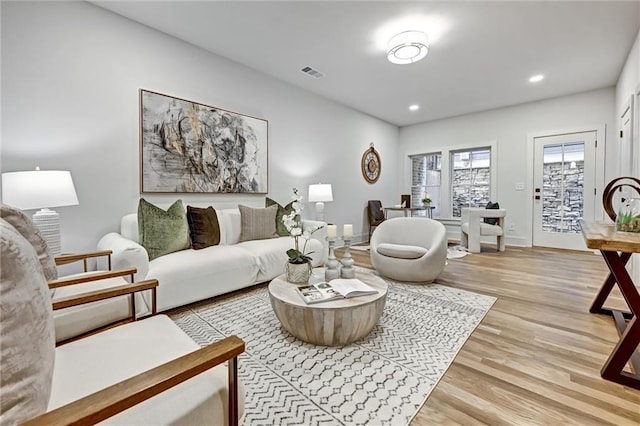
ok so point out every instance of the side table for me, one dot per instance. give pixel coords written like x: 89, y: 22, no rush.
x: 616, y: 249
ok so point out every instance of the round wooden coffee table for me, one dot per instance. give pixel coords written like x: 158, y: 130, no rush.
x: 334, y: 323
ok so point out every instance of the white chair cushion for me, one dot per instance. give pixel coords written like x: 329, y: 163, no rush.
x: 73, y: 321
x: 485, y: 229
x: 401, y: 251
x: 26, y: 331
x: 112, y: 356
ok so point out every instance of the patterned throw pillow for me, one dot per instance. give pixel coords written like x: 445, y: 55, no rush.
x: 25, y: 226
x: 203, y: 227
x: 162, y: 231
x: 491, y: 220
x: 27, y: 334
x: 257, y: 223
x: 282, y: 211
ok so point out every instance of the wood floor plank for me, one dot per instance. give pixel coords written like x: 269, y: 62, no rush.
x: 536, y: 357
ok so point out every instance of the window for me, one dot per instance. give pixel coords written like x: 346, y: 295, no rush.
x: 426, y: 172
x: 470, y: 179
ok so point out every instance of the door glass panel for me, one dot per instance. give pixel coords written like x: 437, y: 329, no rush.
x: 563, y: 187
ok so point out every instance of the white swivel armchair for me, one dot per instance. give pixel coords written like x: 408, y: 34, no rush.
x: 473, y: 227
x: 409, y: 249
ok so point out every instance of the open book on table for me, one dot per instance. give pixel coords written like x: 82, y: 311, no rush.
x: 339, y: 288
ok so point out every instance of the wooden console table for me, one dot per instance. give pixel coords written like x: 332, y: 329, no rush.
x: 616, y: 249
x: 408, y: 211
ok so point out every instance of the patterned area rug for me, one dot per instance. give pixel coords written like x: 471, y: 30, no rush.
x: 382, y: 379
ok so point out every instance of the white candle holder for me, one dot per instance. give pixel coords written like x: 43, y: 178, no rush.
x: 347, y: 270
x: 332, y: 270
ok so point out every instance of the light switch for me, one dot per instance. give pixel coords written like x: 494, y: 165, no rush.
x: 519, y: 186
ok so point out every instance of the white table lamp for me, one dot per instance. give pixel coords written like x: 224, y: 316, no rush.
x: 319, y: 193
x: 41, y: 189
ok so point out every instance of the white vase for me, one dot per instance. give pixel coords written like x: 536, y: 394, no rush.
x: 298, y: 273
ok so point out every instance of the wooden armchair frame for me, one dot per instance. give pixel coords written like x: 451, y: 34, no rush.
x: 116, y: 398
x: 121, y: 396
x: 93, y: 296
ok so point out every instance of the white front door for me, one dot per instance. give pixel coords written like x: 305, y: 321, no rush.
x: 564, y: 188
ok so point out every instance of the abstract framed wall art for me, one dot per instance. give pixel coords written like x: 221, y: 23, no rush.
x: 190, y: 147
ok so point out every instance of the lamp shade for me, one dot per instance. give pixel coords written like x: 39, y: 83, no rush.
x: 320, y: 192
x: 38, y: 189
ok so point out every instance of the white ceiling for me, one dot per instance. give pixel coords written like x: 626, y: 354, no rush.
x: 481, y: 53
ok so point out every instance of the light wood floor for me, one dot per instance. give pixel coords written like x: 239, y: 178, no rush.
x: 535, y: 359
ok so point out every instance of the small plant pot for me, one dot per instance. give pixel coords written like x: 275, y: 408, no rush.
x: 298, y: 273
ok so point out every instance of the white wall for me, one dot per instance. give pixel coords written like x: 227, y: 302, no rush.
x: 629, y: 77
x: 509, y: 128
x: 628, y: 87
x: 628, y: 94
x: 70, y: 78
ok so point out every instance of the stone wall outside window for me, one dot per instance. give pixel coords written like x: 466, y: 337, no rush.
x: 467, y: 195
x: 562, y: 211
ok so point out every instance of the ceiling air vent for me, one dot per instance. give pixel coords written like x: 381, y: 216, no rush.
x: 311, y: 72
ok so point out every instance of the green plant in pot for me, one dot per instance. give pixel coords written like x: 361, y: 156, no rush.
x: 628, y: 219
x: 299, y: 264
x: 426, y: 199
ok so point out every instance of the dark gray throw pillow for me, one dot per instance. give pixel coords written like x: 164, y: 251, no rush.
x: 491, y: 220
x: 203, y: 227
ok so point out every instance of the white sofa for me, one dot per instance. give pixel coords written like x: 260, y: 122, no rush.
x: 188, y: 276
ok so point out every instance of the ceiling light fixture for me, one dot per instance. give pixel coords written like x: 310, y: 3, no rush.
x: 414, y: 107
x: 536, y: 78
x: 407, y: 47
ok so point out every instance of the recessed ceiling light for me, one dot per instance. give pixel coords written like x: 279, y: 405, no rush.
x: 536, y: 78
x: 407, y: 47
x: 414, y: 107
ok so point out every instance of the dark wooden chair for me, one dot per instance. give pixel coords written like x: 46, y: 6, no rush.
x: 375, y: 214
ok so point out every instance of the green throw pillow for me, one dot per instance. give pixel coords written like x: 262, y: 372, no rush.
x: 162, y: 232
x: 282, y: 211
x: 491, y: 220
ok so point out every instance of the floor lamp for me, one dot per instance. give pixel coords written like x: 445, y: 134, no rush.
x: 41, y: 189
x: 319, y: 193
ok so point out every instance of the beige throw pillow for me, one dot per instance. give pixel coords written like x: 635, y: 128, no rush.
x: 25, y: 226
x: 257, y: 223
x: 26, y: 330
